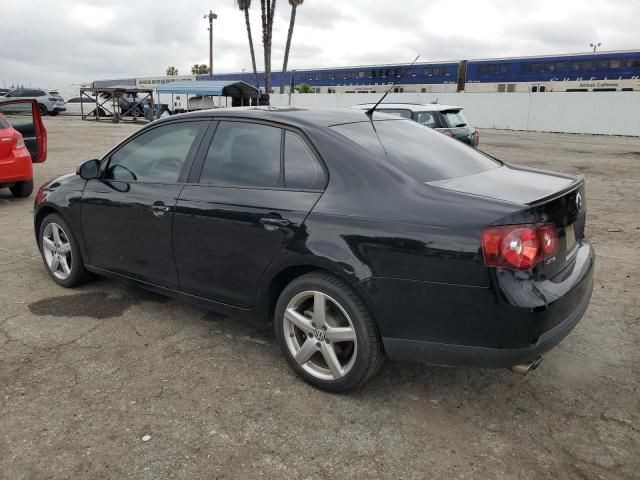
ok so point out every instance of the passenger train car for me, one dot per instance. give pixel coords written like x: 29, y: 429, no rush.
x: 582, y: 72
x: 585, y: 72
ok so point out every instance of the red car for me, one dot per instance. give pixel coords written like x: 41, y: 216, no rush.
x: 23, y: 142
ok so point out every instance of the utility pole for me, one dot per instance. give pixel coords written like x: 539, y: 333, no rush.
x: 211, y: 16
x: 595, y: 46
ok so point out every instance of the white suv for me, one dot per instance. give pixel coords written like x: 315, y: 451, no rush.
x: 48, y: 102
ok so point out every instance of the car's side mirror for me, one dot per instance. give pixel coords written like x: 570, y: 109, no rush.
x: 89, y: 169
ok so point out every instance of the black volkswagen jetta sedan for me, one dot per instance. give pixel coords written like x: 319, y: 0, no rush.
x: 357, y: 237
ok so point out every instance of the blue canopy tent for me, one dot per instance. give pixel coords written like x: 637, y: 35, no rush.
x: 212, y: 88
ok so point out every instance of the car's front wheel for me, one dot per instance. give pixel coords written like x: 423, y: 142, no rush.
x: 326, y: 333
x: 61, y: 253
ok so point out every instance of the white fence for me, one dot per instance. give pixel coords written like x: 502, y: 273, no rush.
x: 607, y: 113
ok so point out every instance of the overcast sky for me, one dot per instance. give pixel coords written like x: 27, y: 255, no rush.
x: 59, y: 43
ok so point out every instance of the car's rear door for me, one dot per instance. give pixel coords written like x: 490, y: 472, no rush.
x: 248, y: 198
x: 23, y: 115
x: 127, y: 213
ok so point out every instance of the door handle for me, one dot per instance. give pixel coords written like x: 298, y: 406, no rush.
x: 271, y: 224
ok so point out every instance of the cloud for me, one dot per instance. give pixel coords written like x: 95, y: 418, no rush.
x: 57, y: 44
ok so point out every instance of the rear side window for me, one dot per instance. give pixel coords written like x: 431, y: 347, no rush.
x: 397, y: 112
x: 301, y: 168
x: 244, y: 155
x: 420, y: 152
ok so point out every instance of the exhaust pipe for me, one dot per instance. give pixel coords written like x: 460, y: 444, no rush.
x: 524, y: 368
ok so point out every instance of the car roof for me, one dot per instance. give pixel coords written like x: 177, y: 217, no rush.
x: 414, y: 107
x: 300, y: 116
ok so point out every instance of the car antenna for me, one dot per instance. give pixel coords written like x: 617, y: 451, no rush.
x: 371, y: 110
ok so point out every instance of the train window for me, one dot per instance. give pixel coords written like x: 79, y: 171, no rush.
x: 586, y: 65
x: 488, y: 68
x: 531, y: 67
x: 575, y: 65
x: 534, y: 89
x: 504, y: 68
x: 615, y: 63
x: 361, y: 74
x: 633, y: 63
x: 543, y: 88
x: 549, y: 67
x: 603, y: 64
x: 428, y: 71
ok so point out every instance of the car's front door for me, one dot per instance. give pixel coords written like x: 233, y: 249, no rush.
x: 127, y: 213
x: 255, y: 187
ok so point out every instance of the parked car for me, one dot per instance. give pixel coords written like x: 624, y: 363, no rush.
x: 23, y: 141
x: 74, y: 107
x: 446, y: 119
x: 357, y: 237
x: 4, y: 91
x: 47, y: 103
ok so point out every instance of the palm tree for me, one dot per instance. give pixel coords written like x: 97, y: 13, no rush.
x: 292, y: 21
x: 172, y: 71
x: 199, y: 69
x: 244, y: 6
x: 268, y: 8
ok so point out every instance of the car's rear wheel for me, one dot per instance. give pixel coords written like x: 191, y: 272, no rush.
x: 22, y: 189
x: 43, y: 109
x: 53, y: 114
x: 60, y: 252
x: 326, y: 333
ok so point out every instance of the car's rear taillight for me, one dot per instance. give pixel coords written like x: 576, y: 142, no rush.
x: 518, y: 247
x: 19, y: 142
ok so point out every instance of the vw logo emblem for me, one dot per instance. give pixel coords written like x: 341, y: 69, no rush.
x: 319, y: 334
x: 579, y: 201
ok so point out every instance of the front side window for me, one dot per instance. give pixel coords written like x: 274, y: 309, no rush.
x: 244, y: 155
x: 633, y: 63
x: 157, y: 155
x: 301, y: 169
x: 421, y: 153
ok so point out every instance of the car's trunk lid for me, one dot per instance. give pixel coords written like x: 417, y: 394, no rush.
x: 550, y: 198
x: 509, y: 183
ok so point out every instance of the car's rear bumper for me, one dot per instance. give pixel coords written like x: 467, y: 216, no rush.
x: 474, y: 356
x: 513, y: 320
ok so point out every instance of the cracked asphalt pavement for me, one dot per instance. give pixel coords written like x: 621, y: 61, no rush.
x: 109, y: 381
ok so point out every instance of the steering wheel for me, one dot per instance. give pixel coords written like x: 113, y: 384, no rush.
x: 171, y: 164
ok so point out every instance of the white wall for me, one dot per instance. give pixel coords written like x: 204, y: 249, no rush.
x: 608, y: 113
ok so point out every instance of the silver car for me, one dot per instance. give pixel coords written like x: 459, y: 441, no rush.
x: 48, y: 102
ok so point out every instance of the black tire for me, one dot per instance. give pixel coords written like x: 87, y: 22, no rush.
x: 54, y: 114
x: 78, y: 274
x: 43, y: 109
x: 22, y: 189
x: 369, y: 353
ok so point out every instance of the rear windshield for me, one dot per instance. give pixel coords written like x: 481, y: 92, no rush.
x: 420, y: 152
x: 454, y: 118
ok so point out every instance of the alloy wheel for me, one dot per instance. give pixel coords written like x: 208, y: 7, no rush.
x: 320, y: 335
x: 57, y: 251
